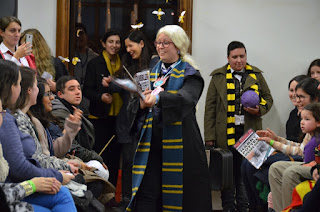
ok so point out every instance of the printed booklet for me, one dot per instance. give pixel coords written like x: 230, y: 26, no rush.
x: 143, y: 79
x: 138, y: 84
x: 255, y: 151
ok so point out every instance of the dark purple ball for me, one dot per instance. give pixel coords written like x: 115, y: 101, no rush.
x: 250, y: 99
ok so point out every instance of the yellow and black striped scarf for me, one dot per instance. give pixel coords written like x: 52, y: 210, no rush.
x: 231, y: 97
x: 172, y: 149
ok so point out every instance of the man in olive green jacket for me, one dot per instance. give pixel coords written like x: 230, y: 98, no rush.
x: 215, y: 119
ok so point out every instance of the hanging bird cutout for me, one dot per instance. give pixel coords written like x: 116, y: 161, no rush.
x: 75, y: 60
x: 137, y: 26
x: 159, y: 13
x: 64, y: 59
x: 78, y: 32
x: 182, y: 16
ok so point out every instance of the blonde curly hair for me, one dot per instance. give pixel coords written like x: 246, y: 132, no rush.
x: 41, y: 51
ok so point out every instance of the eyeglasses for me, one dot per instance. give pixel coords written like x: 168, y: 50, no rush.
x: 300, y: 97
x: 49, y: 93
x: 165, y: 44
x: 3, y: 113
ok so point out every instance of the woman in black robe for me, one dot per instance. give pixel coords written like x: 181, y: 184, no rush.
x: 170, y: 170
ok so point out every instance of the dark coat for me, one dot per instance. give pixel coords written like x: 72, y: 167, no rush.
x: 60, y: 68
x: 181, y: 106
x: 124, y: 120
x: 215, y: 118
x: 81, y: 67
x: 93, y: 89
x: 293, y: 129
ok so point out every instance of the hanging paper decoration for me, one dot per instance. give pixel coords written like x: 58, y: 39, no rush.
x: 166, y: 1
x: 75, y: 60
x: 78, y: 32
x: 137, y: 26
x: 159, y: 13
x: 182, y: 16
x: 64, y: 59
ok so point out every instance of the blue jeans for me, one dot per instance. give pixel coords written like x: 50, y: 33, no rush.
x: 62, y: 201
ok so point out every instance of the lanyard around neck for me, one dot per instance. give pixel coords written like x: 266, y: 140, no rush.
x: 171, y: 69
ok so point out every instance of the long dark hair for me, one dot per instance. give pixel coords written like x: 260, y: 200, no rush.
x: 9, y: 75
x: 28, y: 77
x: 143, y: 62
x: 38, y: 110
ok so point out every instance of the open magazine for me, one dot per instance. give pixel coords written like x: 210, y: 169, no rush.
x: 255, y: 151
x: 129, y: 85
x: 138, y: 84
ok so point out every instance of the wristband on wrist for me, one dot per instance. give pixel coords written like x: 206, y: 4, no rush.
x: 32, y: 185
x: 271, y: 142
x: 27, y: 187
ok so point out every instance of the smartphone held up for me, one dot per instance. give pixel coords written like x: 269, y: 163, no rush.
x: 29, y: 40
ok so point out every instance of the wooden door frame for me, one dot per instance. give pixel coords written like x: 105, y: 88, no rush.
x: 187, y: 5
x: 63, y: 24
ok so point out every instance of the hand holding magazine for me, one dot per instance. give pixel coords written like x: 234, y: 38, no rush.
x: 129, y: 85
x: 255, y: 151
x: 138, y: 84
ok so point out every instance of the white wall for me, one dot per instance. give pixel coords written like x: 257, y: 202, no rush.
x: 281, y: 37
x: 40, y: 14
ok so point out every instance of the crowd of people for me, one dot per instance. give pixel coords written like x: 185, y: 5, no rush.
x: 65, y: 141
x: 272, y: 186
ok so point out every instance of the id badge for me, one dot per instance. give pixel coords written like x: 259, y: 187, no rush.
x: 238, y: 119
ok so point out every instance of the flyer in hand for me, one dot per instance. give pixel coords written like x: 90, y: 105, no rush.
x: 255, y: 151
x: 47, y: 76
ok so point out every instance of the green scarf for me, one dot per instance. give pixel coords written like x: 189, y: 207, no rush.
x: 172, y: 149
x: 231, y: 96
